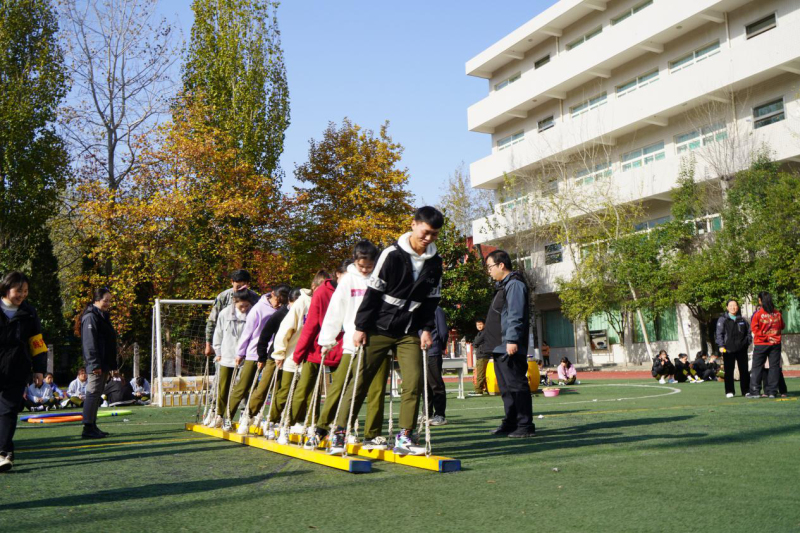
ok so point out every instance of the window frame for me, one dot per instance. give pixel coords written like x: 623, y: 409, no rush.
x: 625, y: 15
x: 700, y: 137
x: 643, y: 157
x: 510, y: 140
x: 544, y: 127
x: 692, y: 57
x: 552, y: 251
x: 774, y: 25
x: 499, y: 86
x: 539, y: 62
x: 638, y: 82
x: 763, y: 121
x: 583, y: 38
x: 587, y: 176
x: 588, y: 105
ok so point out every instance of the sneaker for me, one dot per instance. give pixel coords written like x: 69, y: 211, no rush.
x: 670, y: 380
x: 375, y: 443
x: 438, y: 420
x: 283, y: 436
x: 771, y: 396
x: 210, y: 419
x: 352, y: 439
x: 336, y: 442
x: 296, y: 429
x: 503, y: 429
x: 6, y: 462
x: 406, y: 444
x: 662, y: 381
x: 244, y: 425
x: 90, y: 432
x: 268, y: 428
x: 227, y: 425
x: 748, y: 395
x: 729, y: 395
x: 522, y: 433
x: 103, y: 433
x: 475, y: 394
x: 64, y: 403
x: 218, y: 422
x: 312, y: 442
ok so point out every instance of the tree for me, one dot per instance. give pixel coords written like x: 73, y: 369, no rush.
x: 120, y: 62
x: 353, y: 189
x: 466, y: 288
x: 235, y: 68
x: 33, y: 160
x: 463, y: 203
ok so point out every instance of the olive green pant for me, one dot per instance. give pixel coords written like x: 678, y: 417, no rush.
x: 373, y: 425
x: 377, y: 351
x: 260, y: 394
x: 280, y: 397
x: 240, y: 391
x: 303, y: 392
x: 225, y: 375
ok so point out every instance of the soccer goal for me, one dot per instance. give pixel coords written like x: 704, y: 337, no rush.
x: 177, y: 362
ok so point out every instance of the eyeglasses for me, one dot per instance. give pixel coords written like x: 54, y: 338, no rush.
x: 490, y: 267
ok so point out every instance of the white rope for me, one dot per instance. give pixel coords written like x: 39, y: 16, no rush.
x: 203, y: 396
x: 245, y: 415
x: 391, y: 397
x: 425, y: 389
x: 270, y: 390
x: 353, y: 399
x: 312, y: 409
x: 211, y: 401
x: 287, y: 409
x: 341, y: 394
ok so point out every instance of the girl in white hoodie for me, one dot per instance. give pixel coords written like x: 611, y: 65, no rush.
x: 230, y: 323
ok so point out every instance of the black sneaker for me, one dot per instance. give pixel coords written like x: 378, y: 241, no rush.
x: 105, y: 434
x: 503, y: 429
x: 336, y: 442
x: 748, y: 395
x: 90, y: 432
x: 522, y: 433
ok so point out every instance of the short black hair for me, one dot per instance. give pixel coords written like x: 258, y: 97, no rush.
x: 480, y: 320
x: 281, y: 292
x: 682, y: 355
x: 243, y: 294
x: 365, y: 250
x: 342, y: 268
x: 240, y: 276
x: 13, y: 280
x: 501, y: 256
x: 430, y: 216
x: 701, y: 354
x: 140, y: 381
x: 295, y: 293
x: 98, y: 293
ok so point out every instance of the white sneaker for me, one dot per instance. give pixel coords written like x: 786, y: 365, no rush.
x: 352, y: 439
x: 662, y: 381
x: 698, y: 380
x: 283, y: 437
x: 268, y: 429
x: 312, y: 443
x: 296, y: 429
x: 244, y: 424
x: 729, y: 395
x: 218, y: 422
x: 64, y: 403
x: 227, y: 425
x: 6, y: 462
x: 438, y: 420
x: 376, y: 443
x: 256, y: 423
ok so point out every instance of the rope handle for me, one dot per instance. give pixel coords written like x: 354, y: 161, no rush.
x: 246, y: 408
x: 313, y: 410
x: 287, y: 409
x: 341, y: 394
x: 270, y: 390
x: 428, y: 450
x: 353, y: 398
x: 202, y: 405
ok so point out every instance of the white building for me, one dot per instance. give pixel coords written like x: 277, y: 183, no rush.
x: 615, y: 94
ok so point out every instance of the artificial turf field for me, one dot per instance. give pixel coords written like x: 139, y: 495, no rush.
x: 608, y: 456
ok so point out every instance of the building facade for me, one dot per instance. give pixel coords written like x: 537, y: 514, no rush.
x: 606, y: 101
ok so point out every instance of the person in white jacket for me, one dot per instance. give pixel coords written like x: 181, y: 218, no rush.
x: 39, y: 395
x: 284, y: 344
x: 340, y: 315
x: 230, y: 324
x: 76, y: 392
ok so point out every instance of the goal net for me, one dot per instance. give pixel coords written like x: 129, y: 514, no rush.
x: 178, y: 360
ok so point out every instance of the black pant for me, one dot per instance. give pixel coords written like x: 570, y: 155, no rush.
x: 10, y: 406
x: 511, y: 372
x: 781, y: 382
x: 731, y: 359
x: 762, y: 353
x: 437, y: 397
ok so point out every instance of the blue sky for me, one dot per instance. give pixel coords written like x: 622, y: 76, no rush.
x: 373, y: 61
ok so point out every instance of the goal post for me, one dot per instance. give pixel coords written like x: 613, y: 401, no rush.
x: 177, y: 351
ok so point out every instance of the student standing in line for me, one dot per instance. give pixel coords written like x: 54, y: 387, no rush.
x: 482, y: 356
x: 767, y: 325
x: 733, y: 338
x: 507, y: 326
x: 240, y: 281
x: 22, y: 349
x: 99, y: 341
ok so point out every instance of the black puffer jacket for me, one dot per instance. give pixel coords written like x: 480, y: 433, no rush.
x: 22, y: 348
x: 99, y: 340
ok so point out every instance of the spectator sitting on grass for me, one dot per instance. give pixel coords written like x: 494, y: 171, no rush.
x: 714, y: 364
x: 544, y: 375
x: 662, y: 369
x: 704, y: 370
x: 77, y: 389
x: 59, y: 396
x: 39, y: 396
x: 684, y: 371
x: 118, y: 391
x: 567, y: 375
x: 141, y: 389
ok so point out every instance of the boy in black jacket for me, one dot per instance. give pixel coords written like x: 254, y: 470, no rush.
x: 401, y: 299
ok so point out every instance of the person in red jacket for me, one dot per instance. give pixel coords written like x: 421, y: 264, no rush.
x: 766, y: 324
x: 308, y: 351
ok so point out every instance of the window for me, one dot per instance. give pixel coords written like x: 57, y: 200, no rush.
x: 507, y: 82
x: 527, y: 263
x: 768, y: 113
x: 630, y: 12
x: 553, y: 254
x: 707, y: 224
x: 686, y: 142
x: 589, y: 175
x: 760, y: 26
x: 505, y: 142
x: 662, y: 327
x: 643, y: 156
x: 558, y: 330
x: 637, y: 82
x: 587, y: 105
x: 694, y: 57
x: 577, y: 42
x: 546, y: 123
x: 542, y: 62
x: 601, y: 321
x: 551, y: 187
x: 650, y: 224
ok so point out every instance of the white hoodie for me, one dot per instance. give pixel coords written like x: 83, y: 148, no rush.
x: 342, y: 310
x: 417, y: 260
x: 230, y: 324
x: 289, y: 331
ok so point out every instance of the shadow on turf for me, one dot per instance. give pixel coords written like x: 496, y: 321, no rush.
x: 153, y: 490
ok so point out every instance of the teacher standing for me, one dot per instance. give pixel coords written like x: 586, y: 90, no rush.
x: 99, y: 342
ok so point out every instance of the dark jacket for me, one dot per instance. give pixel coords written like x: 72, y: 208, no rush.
x: 508, y: 320
x: 699, y: 365
x: 264, y: 346
x: 662, y: 368
x: 440, y: 334
x: 681, y: 368
x: 99, y: 340
x: 733, y: 335
x: 479, y: 348
x: 116, y: 391
x: 21, y: 347
x: 395, y: 304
